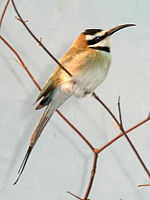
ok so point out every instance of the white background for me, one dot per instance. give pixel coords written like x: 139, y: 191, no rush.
x: 61, y: 161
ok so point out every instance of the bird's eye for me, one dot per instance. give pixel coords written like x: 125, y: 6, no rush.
x: 97, y: 39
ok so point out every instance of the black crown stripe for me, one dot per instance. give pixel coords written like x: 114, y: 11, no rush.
x: 91, y: 31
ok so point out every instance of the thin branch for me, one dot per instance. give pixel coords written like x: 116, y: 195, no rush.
x: 17, y: 18
x: 21, y: 62
x: 38, y: 41
x: 122, y: 130
x: 93, y: 171
x: 3, y: 13
x: 120, y: 114
x: 78, y: 132
x: 143, y: 185
x: 92, y: 176
x: 109, y: 111
x: 121, y: 134
x: 74, y: 195
x: 130, y: 143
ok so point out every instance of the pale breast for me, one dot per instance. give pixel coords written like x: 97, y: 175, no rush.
x: 92, y: 74
x: 89, y: 69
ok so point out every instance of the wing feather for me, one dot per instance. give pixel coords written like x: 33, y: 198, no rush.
x: 55, y: 77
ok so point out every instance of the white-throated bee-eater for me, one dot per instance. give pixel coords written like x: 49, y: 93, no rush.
x: 88, y: 61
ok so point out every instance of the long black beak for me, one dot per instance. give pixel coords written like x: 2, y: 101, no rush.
x: 117, y: 28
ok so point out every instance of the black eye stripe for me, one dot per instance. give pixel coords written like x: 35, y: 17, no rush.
x: 97, y: 39
x: 94, y: 40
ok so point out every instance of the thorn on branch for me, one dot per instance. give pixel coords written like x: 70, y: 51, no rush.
x: 25, y: 21
x: 40, y: 41
x: 18, y: 61
x: 115, y: 124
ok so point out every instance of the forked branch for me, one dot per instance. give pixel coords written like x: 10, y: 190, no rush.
x: 122, y: 130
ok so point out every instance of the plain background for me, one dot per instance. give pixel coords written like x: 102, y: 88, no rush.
x: 61, y: 161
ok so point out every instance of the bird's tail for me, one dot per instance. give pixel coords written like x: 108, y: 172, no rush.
x: 36, y: 134
x: 58, y: 99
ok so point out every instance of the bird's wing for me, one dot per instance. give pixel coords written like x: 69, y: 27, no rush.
x: 55, y: 78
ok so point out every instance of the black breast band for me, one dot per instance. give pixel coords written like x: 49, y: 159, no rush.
x: 107, y: 49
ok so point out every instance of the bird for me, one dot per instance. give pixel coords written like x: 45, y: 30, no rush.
x: 87, y: 63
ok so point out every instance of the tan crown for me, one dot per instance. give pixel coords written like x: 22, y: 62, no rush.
x: 80, y: 42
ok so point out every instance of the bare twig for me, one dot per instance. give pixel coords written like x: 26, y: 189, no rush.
x: 143, y: 185
x: 122, y: 130
x: 121, y: 134
x: 93, y: 171
x: 3, y: 13
x: 120, y: 114
x: 74, y: 195
x: 21, y: 62
x: 97, y: 151
x: 45, y: 49
x: 25, y: 21
x: 78, y: 132
x: 92, y: 176
x: 108, y: 110
x: 129, y: 141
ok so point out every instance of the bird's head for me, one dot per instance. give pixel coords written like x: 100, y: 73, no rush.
x: 98, y: 39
